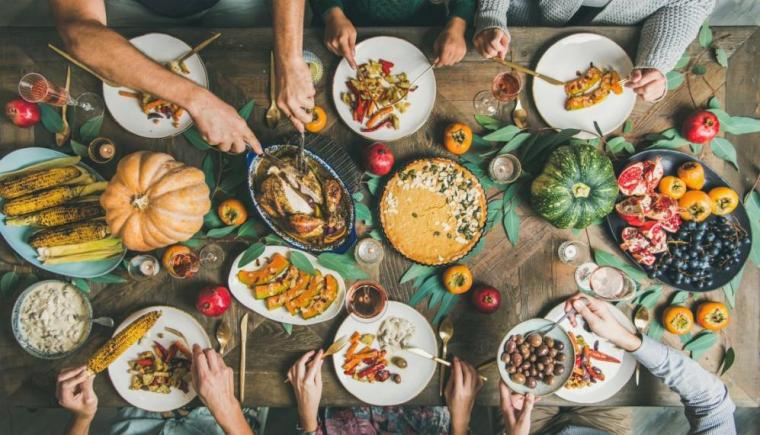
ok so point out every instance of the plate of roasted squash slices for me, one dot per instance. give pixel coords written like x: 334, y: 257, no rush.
x: 283, y: 288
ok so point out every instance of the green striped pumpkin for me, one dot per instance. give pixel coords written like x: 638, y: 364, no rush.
x: 577, y: 187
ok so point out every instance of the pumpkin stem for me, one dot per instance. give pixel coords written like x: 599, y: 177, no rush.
x: 580, y: 190
x: 140, y: 201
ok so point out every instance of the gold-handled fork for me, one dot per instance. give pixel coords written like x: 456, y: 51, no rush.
x: 273, y: 113
x: 332, y: 350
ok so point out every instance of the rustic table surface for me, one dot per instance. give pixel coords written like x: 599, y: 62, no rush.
x: 529, y: 275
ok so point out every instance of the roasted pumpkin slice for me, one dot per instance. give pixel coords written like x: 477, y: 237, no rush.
x: 275, y: 288
x: 298, y: 287
x: 277, y: 264
x: 305, y: 298
x: 322, y: 302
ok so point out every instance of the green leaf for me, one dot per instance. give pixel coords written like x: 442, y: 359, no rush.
x: 109, y: 279
x: 363, y: 213
x: 752, y: 205
x: 705, y: 36
x: 8, y: 283
x: 376, y: 234
x: 373, y: 185
x: 604, y: 258
x: 685, y: 338
x: 739, y: 124
x: 435, y: 297
x: 516, y: 142
x: 273, y: 239
x: 732, y: 288
x: 683, y: 61
x: 487, y: 122
x: 628, y: 126
x: 511, y: 224
x: 721, y: 57
x: 211, y: 219
x: 723, y: 117
x: 245, y: 111
x: 287, y: 327
x: 415, y: 271
x: 619, y: 144
x: 449, y: 301
x: 193, y: 243
x: 195, y: 139
x: 700, y: 344
x: 301, y: 262
x: 358, y: 196
x: 713, y: 103
x: 232, y: 180
x: 91, y: 128
x: 51, y: 119
x: 725, y: 150
x: 429, y: 285
x: 668, y: 139
x: 479, y: 143
x: 248, y: 229
x: 655, y: 330
x: 344, y: 264
x: 675, y: 79
x: 217, y: 233
x: 81, y: 285
x: 209, y: 168
x: 251, y: 253
x: 680, y: 297
x: 78, y: 148
x: 503, y: 134
x: 649, y: 298
x: 699, y: 69
x: 728, y: 361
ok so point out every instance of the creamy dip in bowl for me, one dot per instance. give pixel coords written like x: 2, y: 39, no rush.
x: 51, y: 319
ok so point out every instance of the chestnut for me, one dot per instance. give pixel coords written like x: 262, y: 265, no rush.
x: 518, y: 378
x: 534, y: 340
x: 558, y: 370
x: 542, y: 350
x: 530, y: 382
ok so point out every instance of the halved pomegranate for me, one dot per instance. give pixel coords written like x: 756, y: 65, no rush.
x: 671, y: 224
x: 662, y: 208
x: 631, y: 180
x: 631, y: 211
x: 653, y: 173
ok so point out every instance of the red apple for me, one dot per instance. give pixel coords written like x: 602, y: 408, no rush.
x: 486, y: 299
x: 213, y: 301
x: 22, y: 113
x: 379, y: 159
x: 700, y: 127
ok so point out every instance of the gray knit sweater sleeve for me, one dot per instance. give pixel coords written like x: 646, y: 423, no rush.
x: 667, y: 32
x: 491, y: 14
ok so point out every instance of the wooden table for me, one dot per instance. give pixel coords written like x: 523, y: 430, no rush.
x: 529, y: 275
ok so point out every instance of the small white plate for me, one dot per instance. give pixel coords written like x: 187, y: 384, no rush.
x: 414, y: 378
x: 406, y: 58
x: 245, y: 296
x: 127, y: 112
x: 615, y: 375
x: 118, y: 371
x: 561, y: 61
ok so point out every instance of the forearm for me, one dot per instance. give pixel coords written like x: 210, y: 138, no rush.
x: 321, y: 7
x: 464, y: 9
x: 79, y: 426
x: 232, y: 421
x: 491, y: 14
x: 288, y: 30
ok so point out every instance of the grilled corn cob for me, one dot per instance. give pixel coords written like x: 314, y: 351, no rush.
x: 120, y: 342
x: 49, y: 198
x: 78, y: 232
x: 93, y: 250
x: 60, y: 215
x: 38, y: 180
x: 46, y: 164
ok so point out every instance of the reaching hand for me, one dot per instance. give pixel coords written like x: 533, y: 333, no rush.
x: 220, y: 125
x: 648, y: 83
x: 461, y: 390
x: 306, y: 378
x: 492, y: 43
x: 75, y: 393
x: 340, y: 35
x: 601, y: 321
x: 295, y: 91
x: 450, y: 46
x: 516, y: 409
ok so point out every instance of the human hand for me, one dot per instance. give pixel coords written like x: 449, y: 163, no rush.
x: 340, y: 35
x: 450, y: 46
x: 220, y: 124
x: 306, y: 378
x: 516, y: 409
x: 492, y: 43
x: 213, y: 381
x: 295, y: 91
x: 75, y: 393
x: 460, y: 392
x: 648, y: 83
x: 601, y: 321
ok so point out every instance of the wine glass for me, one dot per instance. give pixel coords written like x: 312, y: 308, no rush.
x: 505, y: 87
x: 35, y: 88
x: 212, y: 255
x: 611, y: 284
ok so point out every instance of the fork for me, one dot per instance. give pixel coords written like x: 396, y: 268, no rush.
x: 301, y: 158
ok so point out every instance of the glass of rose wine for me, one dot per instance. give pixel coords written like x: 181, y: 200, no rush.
x: 505, y: 87
x: 35, y: 88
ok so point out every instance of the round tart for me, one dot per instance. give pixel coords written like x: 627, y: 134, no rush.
x: 433, y: 211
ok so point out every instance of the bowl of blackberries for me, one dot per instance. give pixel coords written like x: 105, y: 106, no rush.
x: 532, y: 360
x: 703, y: 256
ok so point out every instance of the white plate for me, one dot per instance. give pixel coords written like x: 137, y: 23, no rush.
x: 414, y: 378
x: 615, y: 375
x: 118, y: 370
x: 406, y: 58
x: 127, y: 112
x: 244, y: 294
x: 561, y: 61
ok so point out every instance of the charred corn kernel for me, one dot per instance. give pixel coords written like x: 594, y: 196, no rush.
x: 60, y: 215
x: 122, y: 341
x: 69, y: 234
x: 21, y: 185
x: 49, y: 198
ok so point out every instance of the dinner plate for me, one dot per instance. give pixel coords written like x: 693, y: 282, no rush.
x: 118, y: 371
x: 406, y: 58
x: 127, y: 112
x: 616, y: 375
x: 17, y: 236
x: 244, y: 294
x: 561, y: 61
x: 558, y: 334
x: 414, y: 378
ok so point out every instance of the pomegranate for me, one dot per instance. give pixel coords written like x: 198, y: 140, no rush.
x: 213, y: 301
x: 379, y: 159
x: 631, y: 180
x: 486, y: 299
x: 700, y: 127
x: 22, y: 113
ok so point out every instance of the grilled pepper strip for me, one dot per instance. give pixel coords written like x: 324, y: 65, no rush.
x: 602, y: 356
x: 377, y: 119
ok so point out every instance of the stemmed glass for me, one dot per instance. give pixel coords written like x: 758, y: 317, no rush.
x: 212, y: 255
x: 35, y: 88
x: 505, y: 87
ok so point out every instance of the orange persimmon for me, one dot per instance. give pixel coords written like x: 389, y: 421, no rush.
x: 713, y: 315
x: 457, y: 279
x: 695, y: 205
x: 693, y: 174
x: 232, y: 212
x: 672, y: 187
x: 318, y: 120
x: 457, y: 138
x: 677, y: 319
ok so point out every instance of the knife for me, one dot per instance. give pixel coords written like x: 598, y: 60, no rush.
x: 425, y: 354
x: 243, y: 341
x: 518, y: 67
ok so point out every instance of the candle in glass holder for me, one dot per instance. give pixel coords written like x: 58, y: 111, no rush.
x: 504, y: 169
x: 101, y: 150
x: 369, y: 251
x: 143, y: 267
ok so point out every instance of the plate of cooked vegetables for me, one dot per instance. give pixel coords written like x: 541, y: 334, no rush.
x: 154, y: 373
x: 391, y: 93
x: 601, y: 369
x: 147, y: 115
x: 287, y: 285
x: 51, y: 213
x: 594, y: 69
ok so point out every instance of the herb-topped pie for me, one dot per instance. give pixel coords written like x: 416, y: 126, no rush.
x: 433, y: 211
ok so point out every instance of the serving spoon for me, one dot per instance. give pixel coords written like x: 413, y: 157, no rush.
x: 641, y: 320
x: 273, y: 113
x: 223, y: 335
x: 445, y: 331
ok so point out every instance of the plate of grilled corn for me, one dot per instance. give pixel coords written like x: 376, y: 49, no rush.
x: 51, y: 214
